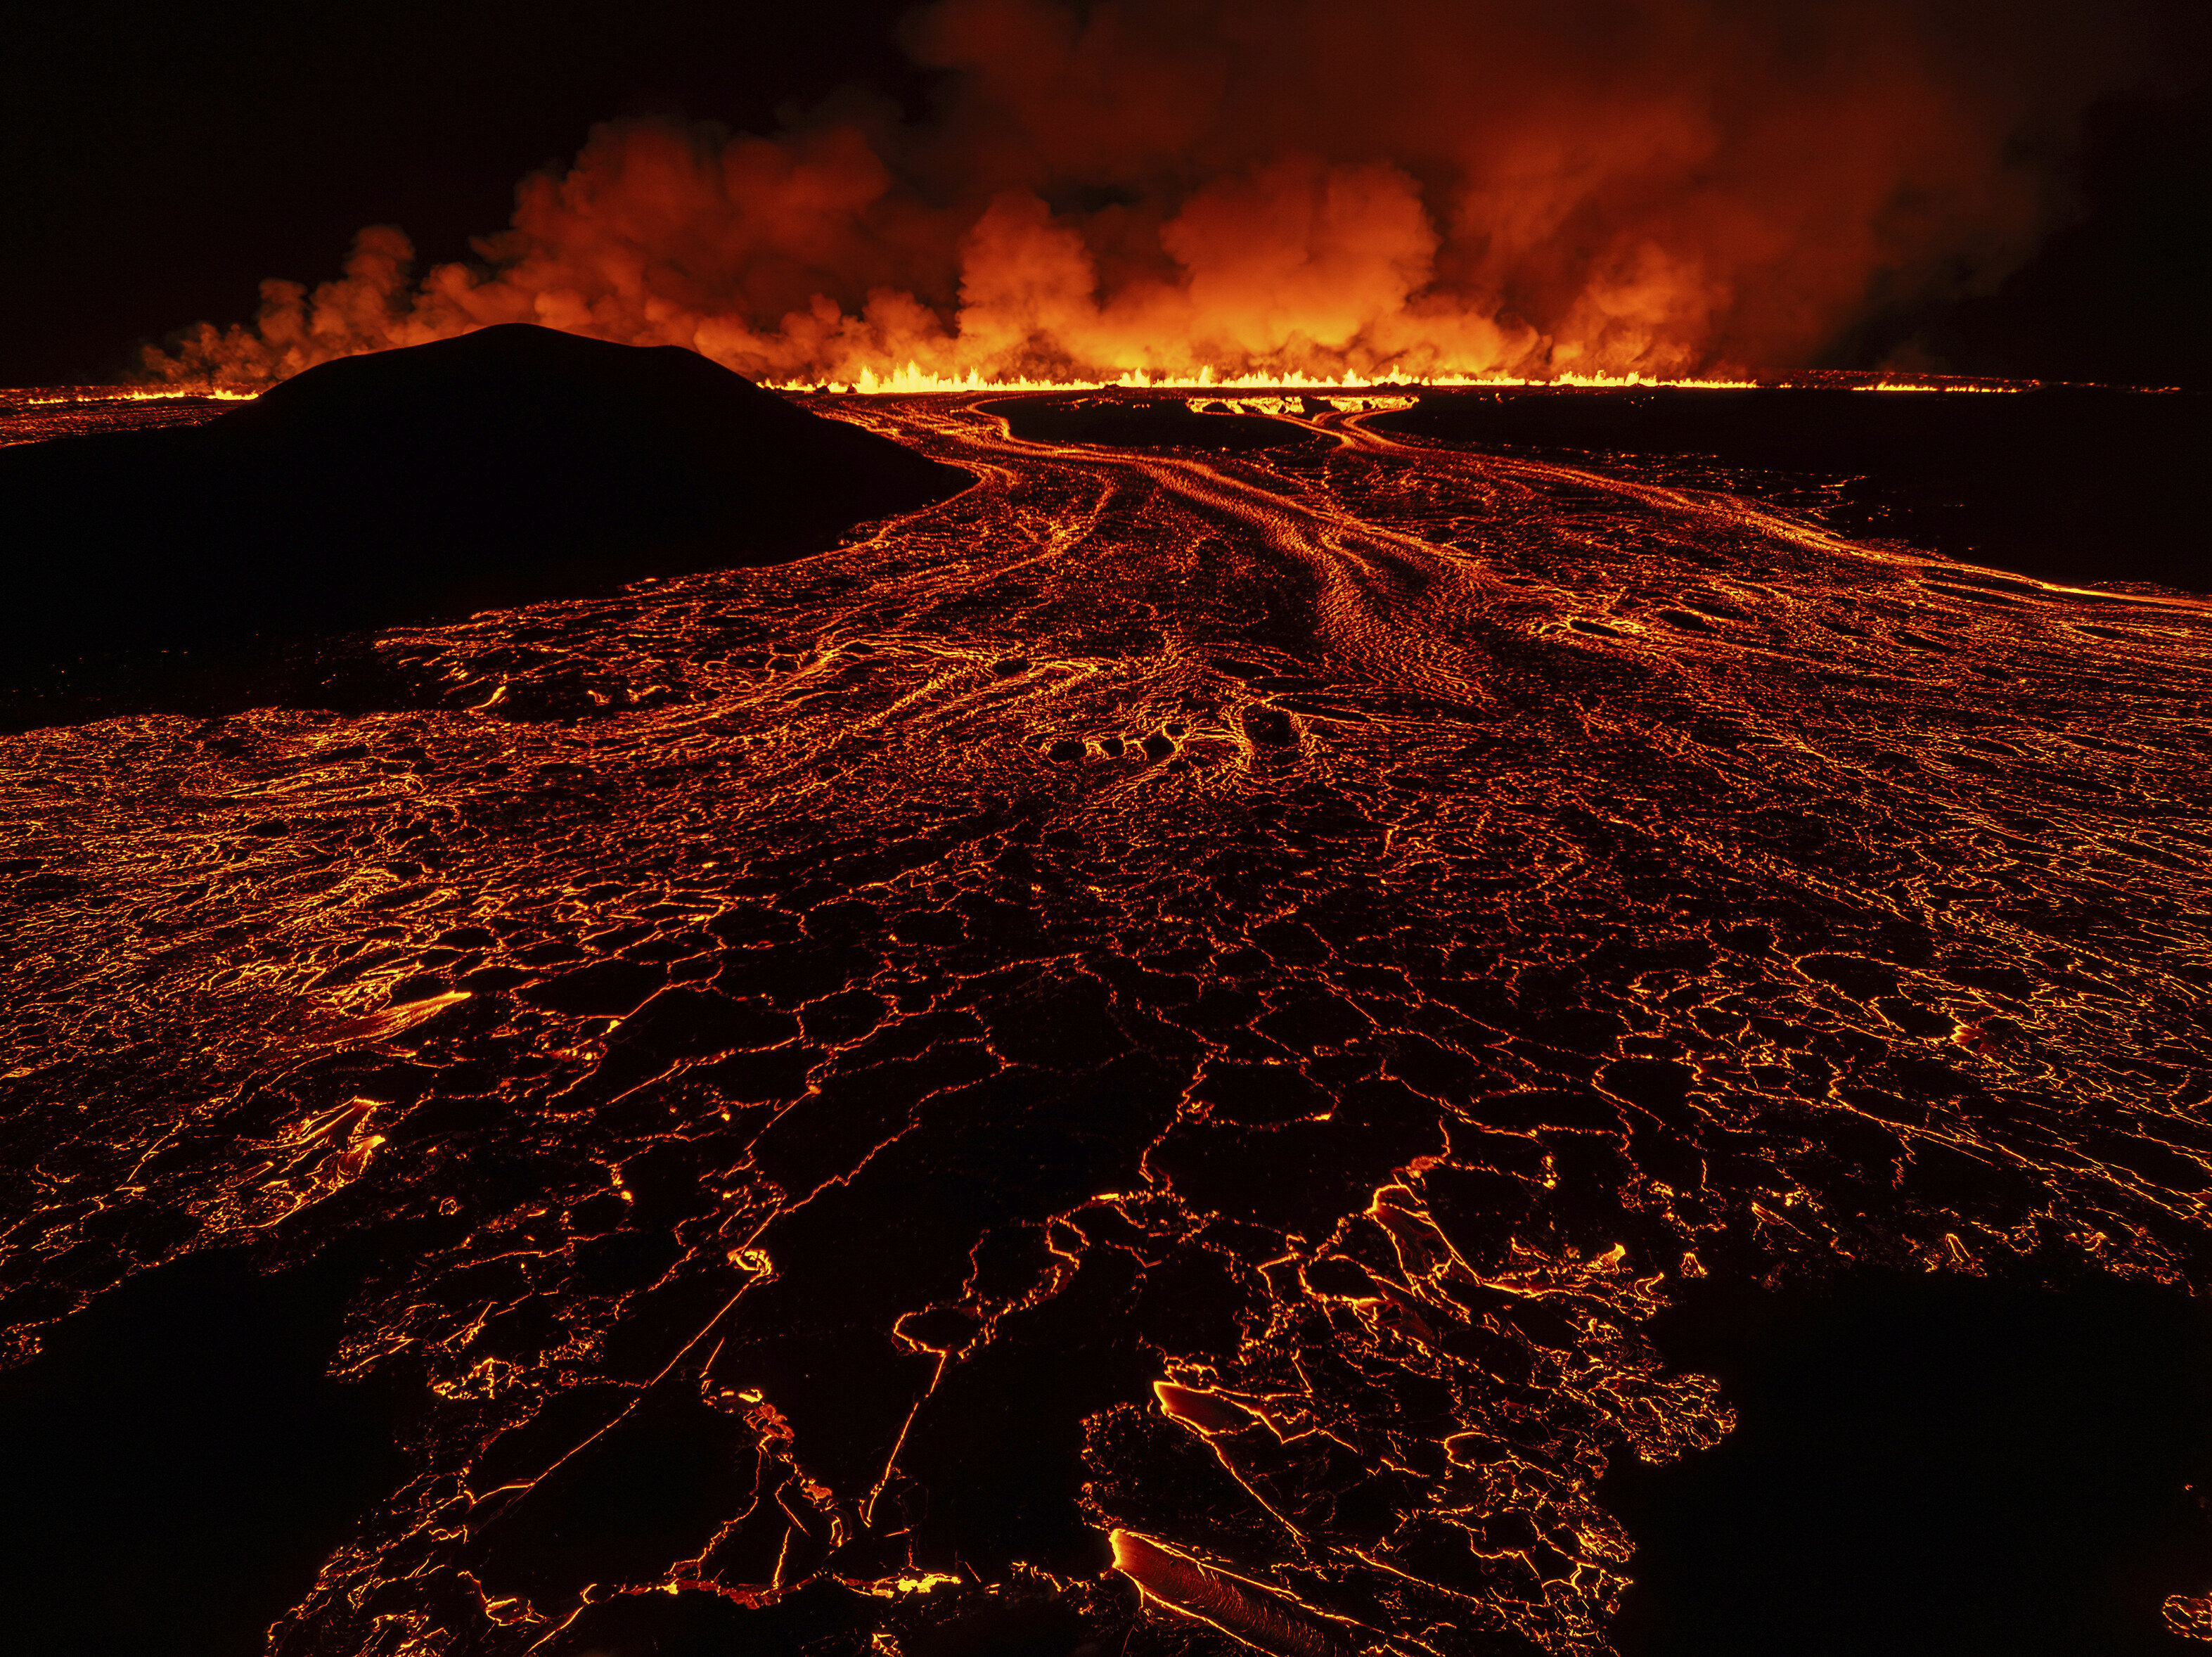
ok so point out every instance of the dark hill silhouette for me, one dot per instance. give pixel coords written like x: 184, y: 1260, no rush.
x: 509, y: 465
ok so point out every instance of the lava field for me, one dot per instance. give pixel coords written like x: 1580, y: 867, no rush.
x: 1160, y: 1057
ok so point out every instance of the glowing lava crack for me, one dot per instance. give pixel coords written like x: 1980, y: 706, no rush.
x: 1199, y: 997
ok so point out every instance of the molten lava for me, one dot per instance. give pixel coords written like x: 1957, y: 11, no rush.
x: 1129, y: 1057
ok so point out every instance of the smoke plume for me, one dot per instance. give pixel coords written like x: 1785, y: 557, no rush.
x: 1268, y: 187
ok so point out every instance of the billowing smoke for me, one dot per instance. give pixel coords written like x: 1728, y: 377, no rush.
x: 1427, y: 187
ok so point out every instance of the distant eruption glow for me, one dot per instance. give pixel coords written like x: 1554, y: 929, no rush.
x: 1238, y: 194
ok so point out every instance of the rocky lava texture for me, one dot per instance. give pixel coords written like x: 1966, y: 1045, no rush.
x: 1131, y: 1063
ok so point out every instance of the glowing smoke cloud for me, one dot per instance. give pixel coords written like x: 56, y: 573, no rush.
x: 1419, y: 187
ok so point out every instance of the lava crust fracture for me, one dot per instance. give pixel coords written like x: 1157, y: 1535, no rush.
x: 1179, y: 1010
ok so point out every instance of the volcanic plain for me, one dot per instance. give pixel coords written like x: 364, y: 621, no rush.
x: 1320, y: 1022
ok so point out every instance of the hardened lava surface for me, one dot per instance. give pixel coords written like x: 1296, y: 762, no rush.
x: 1165, y: 1024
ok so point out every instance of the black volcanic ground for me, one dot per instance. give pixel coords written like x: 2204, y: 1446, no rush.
x: 161, y: 567
x: 1327, y: 1027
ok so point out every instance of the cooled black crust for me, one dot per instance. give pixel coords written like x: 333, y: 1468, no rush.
x: 505, y: 466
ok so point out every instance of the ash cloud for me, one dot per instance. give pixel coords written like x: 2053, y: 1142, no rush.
x: 1431, y: 186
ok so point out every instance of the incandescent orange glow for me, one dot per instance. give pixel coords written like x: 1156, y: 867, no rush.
x: 1151, y: 194
x: 1198, y: 996
x: 139, y: 395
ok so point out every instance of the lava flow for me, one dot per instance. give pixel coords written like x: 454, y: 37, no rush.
x: 1122, y: 1063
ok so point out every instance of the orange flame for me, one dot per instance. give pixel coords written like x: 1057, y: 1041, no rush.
x: 1413, y: 191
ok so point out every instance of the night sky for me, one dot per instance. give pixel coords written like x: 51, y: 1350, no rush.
x: 163, y: 161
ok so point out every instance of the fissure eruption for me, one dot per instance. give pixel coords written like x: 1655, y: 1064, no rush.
x: 1311, y: 966
x: 1412, y: 189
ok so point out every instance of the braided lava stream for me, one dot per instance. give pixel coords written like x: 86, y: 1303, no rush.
x: 1138, y: 1047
